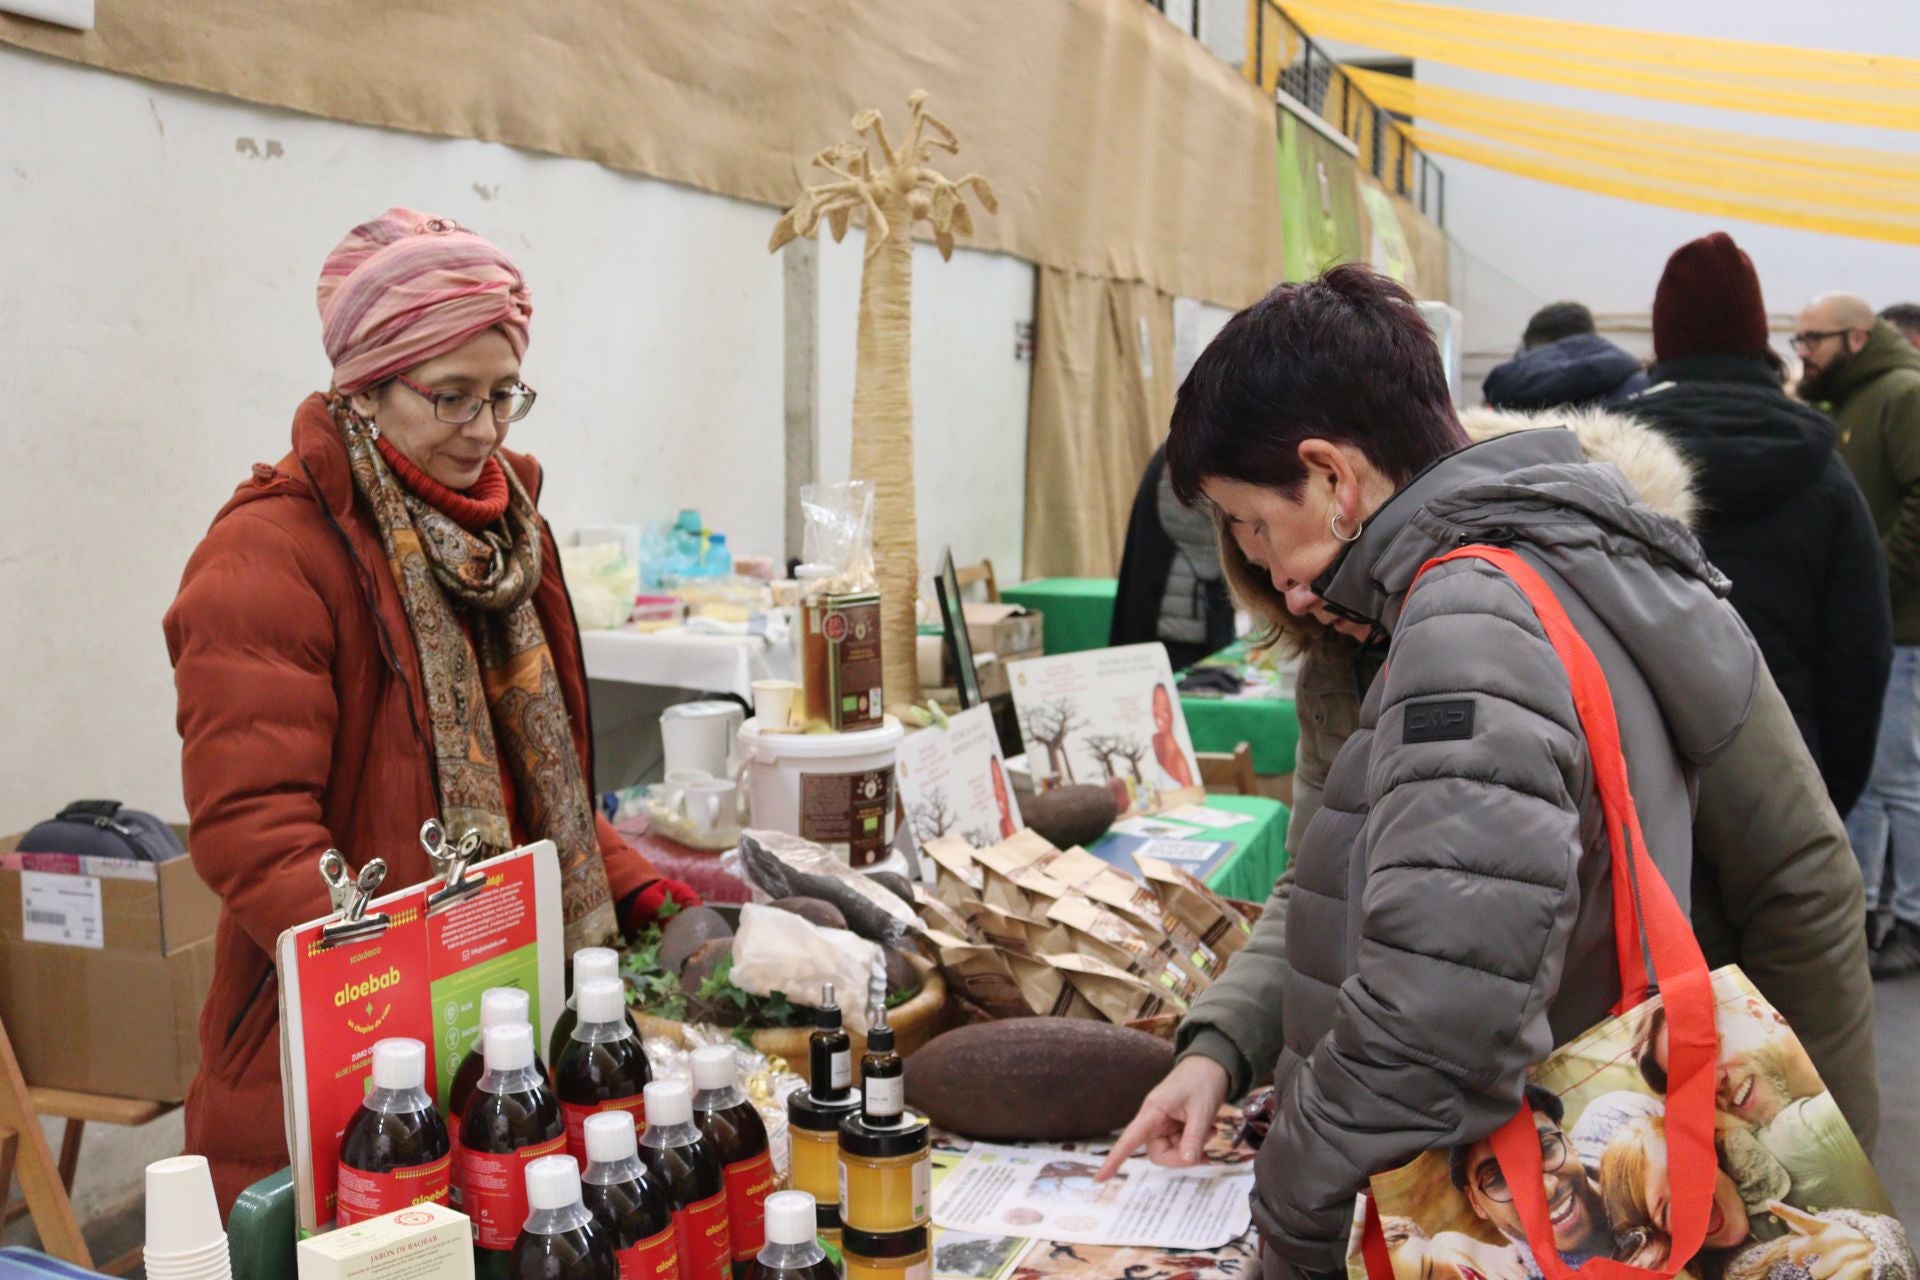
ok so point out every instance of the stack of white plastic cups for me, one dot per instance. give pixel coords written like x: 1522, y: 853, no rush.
x: 184, y: 1237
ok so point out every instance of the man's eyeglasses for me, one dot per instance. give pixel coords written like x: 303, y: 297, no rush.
x: 457, y: 408
x: 1804, y: 342
x: 1492, y: 1184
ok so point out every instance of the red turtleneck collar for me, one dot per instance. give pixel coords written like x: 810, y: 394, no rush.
x: 473, y: 510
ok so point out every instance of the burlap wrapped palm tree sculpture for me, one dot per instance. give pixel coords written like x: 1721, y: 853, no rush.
x: 896, y: 190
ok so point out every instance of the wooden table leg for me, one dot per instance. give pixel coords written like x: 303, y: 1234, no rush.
x: 70, y: 1152
x: 9, y: 1144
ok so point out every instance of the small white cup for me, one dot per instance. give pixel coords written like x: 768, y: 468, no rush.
x: 773, y: 703
x: 182, y: 1215
x: 674, y: 789
x: 713, y: 805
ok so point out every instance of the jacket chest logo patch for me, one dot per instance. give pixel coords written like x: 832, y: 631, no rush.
x: 1448, y: 720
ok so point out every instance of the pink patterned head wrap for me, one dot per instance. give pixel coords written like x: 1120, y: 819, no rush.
x: 407, y: 287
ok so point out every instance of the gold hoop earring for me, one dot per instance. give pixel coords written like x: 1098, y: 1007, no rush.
x: 1334, y: 524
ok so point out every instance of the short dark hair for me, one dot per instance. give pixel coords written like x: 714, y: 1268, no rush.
x: 1543, y: 1100
x: 1904, y: 316
x: 1345, y: 357
x: 1556, y: 321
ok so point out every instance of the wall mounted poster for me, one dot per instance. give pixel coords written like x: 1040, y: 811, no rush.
x: 954, y: 783
x: 1108, y: 717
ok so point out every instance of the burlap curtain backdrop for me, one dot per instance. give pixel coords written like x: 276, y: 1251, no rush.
x: 1118, y: 144
x: 1103, y: 384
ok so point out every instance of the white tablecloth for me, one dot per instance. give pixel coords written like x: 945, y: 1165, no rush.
x: 679, y: 659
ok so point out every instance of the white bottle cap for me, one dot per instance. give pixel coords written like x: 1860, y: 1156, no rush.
x: 790, y: 1218
x: 611, y: 1137
x: 503, y: 1005
x: 713, y: 1068
x: 399, y: 1064
x: 594, y: 962
x: 601, y: 1000
x: 668, y: 1104
x: 553, y: 1182
x: 509, y: 1048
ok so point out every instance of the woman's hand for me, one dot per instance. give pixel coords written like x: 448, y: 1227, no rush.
x: 1828, y: 1250
x: 1176, y: 1118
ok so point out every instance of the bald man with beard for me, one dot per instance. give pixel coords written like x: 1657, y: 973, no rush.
x: 1867, y: 375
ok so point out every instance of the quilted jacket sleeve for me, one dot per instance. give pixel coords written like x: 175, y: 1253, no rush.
x: 1472, y: 851
x: 1236, y: 1021
x: 252, y: 647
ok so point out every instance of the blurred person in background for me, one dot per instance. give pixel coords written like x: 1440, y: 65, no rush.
x: 1904, y: 316
x: 1780, y: 513
x: 1869, y: 375
x: 1562, y: 361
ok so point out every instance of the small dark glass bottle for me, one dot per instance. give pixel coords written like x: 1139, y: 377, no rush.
x: 883, y: 1075
x: 512, y: 1119
x: 689, y: 1174
x: 829, y: 1053
x: 624, y: 1199
x: 396, y: 1153
x: 603, y: 1067
x: 560, y: 1239
x: 732, y: 1125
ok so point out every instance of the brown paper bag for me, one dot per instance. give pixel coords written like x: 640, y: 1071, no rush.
x: 980, y: 976
x: 1118, y: 995
x: 1186, y: 900
x: 1153, y: 958
x: 1047, y: 992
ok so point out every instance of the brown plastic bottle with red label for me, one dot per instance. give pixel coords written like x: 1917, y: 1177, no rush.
x: 625, y: 1199
x: 588, y: 963
x: 396, y: 1153
x: 731, y: 1124
x: 561, y: 1240
x: 499, y: 1006
x: 792, y: 1250
x: 512, y: 1120
x: 688, y: 1172
x: 602, y: 1067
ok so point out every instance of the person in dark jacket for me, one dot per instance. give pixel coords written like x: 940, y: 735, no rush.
x: 1563, y: 362
x: 1782, y: 515
x: 1170, y: 585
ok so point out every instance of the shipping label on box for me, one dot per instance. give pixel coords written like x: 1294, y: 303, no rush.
x: 63, y: 910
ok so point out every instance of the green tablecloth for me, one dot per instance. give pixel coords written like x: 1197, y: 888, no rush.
x: 1079, y: 611
x: 1265, y: 721
x: 1259, y: 847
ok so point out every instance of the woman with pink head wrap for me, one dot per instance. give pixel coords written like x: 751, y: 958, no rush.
x: 375, y: 632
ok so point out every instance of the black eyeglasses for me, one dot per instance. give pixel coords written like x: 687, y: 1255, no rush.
x: 1807, y: 341
x: 1492, y: 1184
x: 457, y: 408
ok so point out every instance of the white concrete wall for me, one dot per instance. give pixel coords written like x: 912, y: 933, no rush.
x: 970, y: 386
x: 1520, y: 244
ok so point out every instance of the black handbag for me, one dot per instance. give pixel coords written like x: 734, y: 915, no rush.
x: 104, y: 829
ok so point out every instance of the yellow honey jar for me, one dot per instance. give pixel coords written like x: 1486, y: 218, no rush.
x: 886, y: 1174
x: 815, y: 1128
x: 896, y: 1255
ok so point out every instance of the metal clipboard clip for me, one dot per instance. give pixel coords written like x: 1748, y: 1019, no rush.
x: 350, y: 896
x: 452, y: 863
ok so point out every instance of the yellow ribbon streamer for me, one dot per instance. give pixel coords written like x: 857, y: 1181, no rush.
x: 1862, y: 89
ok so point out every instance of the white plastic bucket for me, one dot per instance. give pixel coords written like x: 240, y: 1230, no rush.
x: 825, y: 787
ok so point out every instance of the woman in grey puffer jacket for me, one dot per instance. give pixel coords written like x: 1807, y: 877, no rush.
x: 1451, y: 914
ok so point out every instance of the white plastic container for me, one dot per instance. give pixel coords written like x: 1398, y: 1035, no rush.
x: 826, y: 787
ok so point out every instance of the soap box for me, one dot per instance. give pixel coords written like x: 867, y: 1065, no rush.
x: 426, y: 1242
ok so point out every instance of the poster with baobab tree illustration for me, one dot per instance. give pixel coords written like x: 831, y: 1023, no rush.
x: 1107, y: 717
x: 954, y: 783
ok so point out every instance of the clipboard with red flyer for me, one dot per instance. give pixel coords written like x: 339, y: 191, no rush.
x: 409, y: 964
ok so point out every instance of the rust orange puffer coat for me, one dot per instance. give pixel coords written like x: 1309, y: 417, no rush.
x: 304, y: 723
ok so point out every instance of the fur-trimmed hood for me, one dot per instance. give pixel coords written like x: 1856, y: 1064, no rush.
x: 1659, y: 473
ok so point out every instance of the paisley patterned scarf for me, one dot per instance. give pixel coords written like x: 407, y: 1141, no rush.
x: 497, y: 697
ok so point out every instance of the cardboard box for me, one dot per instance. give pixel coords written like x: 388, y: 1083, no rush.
x: 1010, y: 630
x: 426, y: 1242
x: 101, y: 986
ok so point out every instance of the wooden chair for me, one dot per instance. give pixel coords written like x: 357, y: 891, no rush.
x: 981, y: 574
x: 47, y: 1183
x: 1229, y: 772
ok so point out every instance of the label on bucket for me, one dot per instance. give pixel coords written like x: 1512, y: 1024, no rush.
x: 848, y: 808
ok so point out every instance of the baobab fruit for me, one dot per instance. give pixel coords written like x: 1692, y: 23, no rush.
x: 1070, y: 816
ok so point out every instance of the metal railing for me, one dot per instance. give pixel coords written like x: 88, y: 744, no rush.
x: 1283, y: 58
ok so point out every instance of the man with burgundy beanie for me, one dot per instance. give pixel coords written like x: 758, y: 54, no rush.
x: 1782, y: 515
